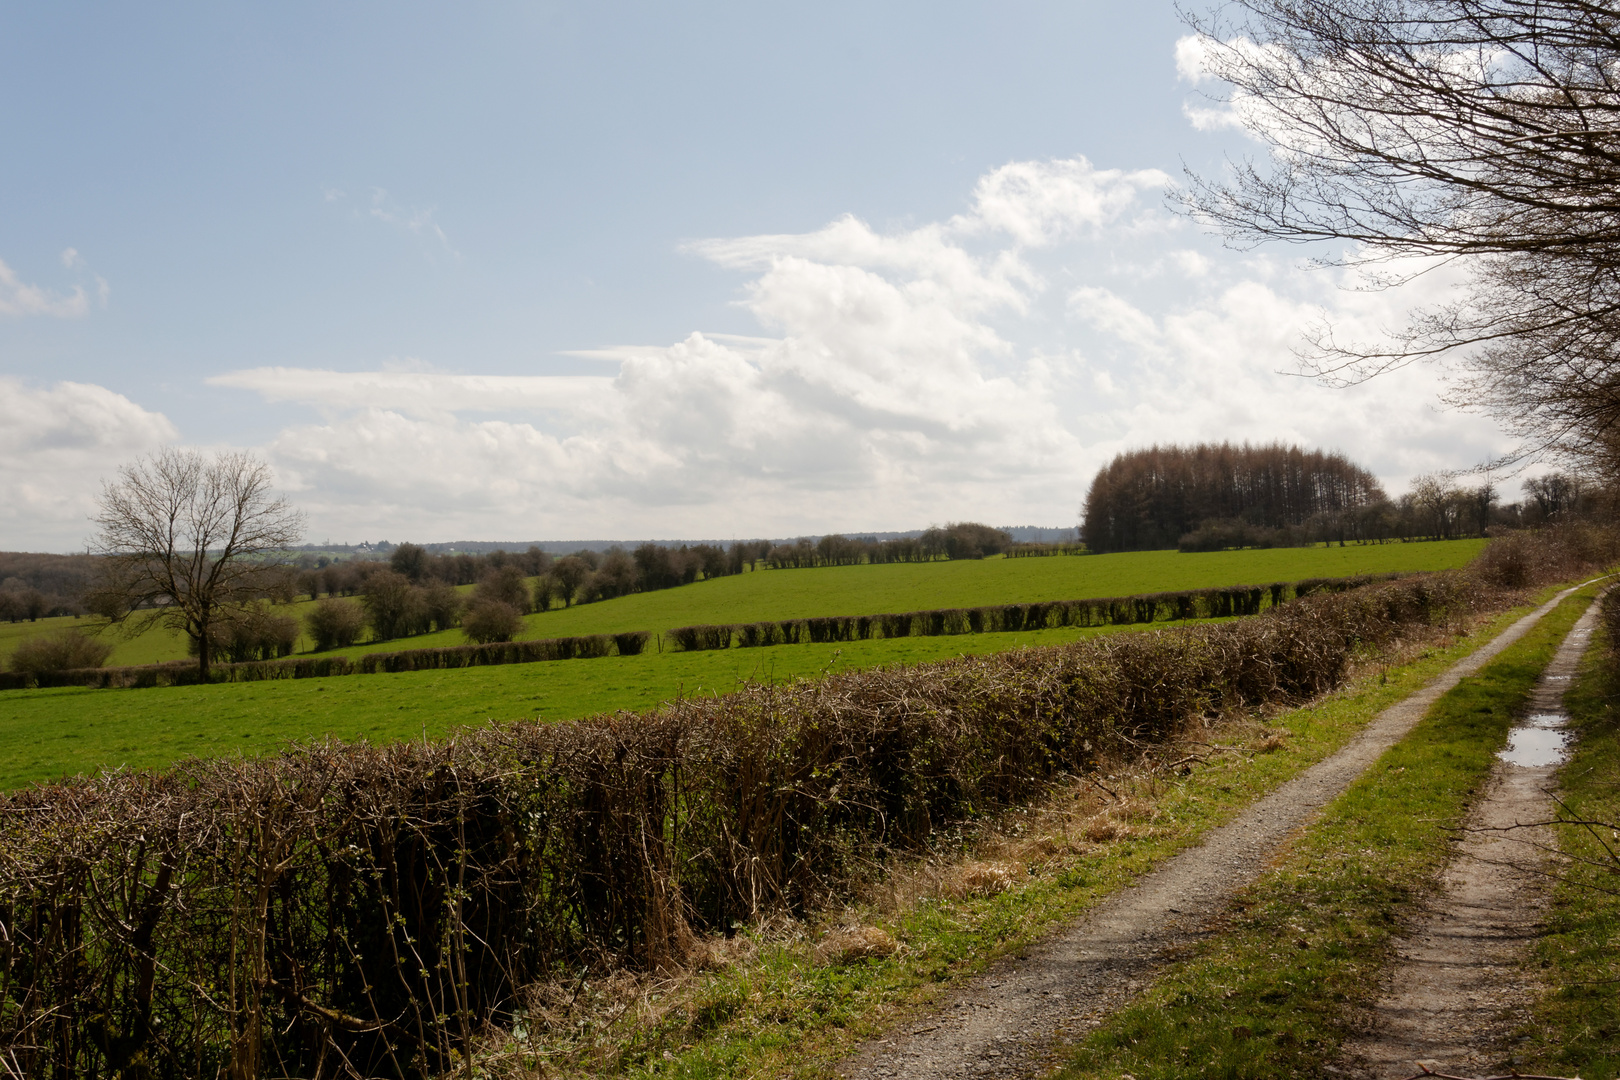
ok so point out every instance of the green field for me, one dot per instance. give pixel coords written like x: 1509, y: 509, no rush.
x: 894, y: 587
x: 870, y: 590
x: 49, y: 733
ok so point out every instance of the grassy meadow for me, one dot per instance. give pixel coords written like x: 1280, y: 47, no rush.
x: 53, y: 732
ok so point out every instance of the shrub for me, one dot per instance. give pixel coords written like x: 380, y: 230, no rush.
x: 1516, y: 558
x: 335, y: 624
x: 394, y: 607
x: 491, y: 620
x: 442, y: 605
x: 505, y: 585
x: 60, y: 652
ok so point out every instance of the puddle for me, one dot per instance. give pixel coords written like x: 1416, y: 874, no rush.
x: 1540, y: 740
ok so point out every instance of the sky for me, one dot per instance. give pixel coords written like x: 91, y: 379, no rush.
x: 700, y: 270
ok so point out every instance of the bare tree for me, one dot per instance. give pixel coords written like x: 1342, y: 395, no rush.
x: 185, y: 540
x: 1479, y: 131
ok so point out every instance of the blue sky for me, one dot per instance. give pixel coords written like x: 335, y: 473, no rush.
x: 443, y: 266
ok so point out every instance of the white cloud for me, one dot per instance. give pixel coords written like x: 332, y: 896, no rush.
x: 56, y: 444
x: 1039, y: 203
x: 903, y: 377
x: 18, y: 298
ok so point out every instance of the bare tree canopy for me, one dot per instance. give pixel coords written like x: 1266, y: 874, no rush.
x: 1486, y: 131
x: 185, y: 539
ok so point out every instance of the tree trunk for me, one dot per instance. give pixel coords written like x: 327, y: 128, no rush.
x: 203, y: 659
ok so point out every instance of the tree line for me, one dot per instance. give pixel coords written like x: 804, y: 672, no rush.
x: 1151, y: 499
x: 1215, y: 497
x: 37, y: 586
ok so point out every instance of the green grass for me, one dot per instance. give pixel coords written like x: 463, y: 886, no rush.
x: 870, y: 590
x: 152, y: 647
x: 1269, y: 997
x: 1577, y: 1020
x: 780, y: 1014
x: 53, y: 732
x: 895, y: 587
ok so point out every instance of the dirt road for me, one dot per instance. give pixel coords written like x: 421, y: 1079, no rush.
x: 1459, y: 989
x: 1014, y: 1020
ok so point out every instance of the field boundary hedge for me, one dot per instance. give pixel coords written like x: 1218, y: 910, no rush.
x: 184, y: 672
x: 1224, y: 602
x: 358, y: 911
x: 1215, y: 603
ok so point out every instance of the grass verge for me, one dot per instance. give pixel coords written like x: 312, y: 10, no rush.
x: 1271, y: 994
x: 775, y: 1004
x: 1577, y: 1020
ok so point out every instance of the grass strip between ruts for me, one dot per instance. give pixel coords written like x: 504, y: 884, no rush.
x: 1271, y: 994
x: 780, y: 1014
x: 1577, y: 1021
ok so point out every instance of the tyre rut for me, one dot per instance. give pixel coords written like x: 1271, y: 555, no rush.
x: 1015, y: 1019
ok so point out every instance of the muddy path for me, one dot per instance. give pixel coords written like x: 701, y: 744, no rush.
x: 1459, y: 989
x: 1016, y: 1018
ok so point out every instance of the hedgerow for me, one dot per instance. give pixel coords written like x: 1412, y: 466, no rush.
x: 316, y: 667
x: 353, y: 910
x: 1216, y: 603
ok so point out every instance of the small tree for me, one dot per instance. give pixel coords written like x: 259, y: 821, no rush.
x: 187, y: 541
x: 505, y: 585
x: 570, y: 573
x: 443, y: 604
x: 491, y: 620
x: 410, y: 560
x: 394, y: 607
x: 335, y: 624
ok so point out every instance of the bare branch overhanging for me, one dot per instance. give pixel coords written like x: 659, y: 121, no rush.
x: 1479, y: 132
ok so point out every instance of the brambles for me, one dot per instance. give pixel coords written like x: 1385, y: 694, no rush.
x: 1526, y: 556
x: 59, y: 652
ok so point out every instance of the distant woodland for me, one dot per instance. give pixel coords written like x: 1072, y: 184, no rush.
x: 1214, y: 496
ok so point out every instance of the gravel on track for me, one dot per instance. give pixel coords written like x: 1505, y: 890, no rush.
x: 1459, y: 990
x: 1015, y: 1019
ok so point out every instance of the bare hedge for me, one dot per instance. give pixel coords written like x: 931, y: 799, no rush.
x: 350, y: 910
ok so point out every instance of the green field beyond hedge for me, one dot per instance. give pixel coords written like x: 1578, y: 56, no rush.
x: 897, y: 587
x: 49, y: 733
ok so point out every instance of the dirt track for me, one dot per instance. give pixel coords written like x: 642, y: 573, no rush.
x: 1014, y: 1020
x: 1459, y: 990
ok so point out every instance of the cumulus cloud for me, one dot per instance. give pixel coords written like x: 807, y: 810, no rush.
x: 56, y: 443
x: 20, y: 299
x: 901, y: 376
